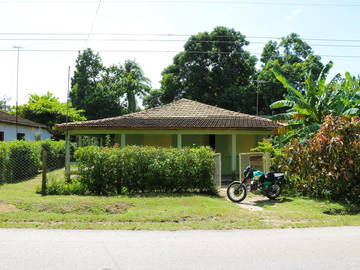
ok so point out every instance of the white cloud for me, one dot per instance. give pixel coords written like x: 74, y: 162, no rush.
x: 296, y: 12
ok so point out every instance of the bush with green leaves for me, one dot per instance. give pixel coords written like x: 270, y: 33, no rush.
x: 328, y: 164
x: 21, y: 160
x: 138, y: 169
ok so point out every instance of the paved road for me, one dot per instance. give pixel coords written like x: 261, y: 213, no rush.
x: 316, y: 248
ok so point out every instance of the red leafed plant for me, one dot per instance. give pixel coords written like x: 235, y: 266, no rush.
x: 328, y: 164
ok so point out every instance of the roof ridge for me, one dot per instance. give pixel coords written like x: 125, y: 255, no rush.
x: 179, y: 109
x: 21, y: 121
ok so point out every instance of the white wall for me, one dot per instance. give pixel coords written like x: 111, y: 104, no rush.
x: 30, y: 132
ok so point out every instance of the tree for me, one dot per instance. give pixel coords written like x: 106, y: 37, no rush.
x: 308, y: 106
x: 153, y: 99
x: 214, y: 68
x: 92, y: 88
x: 294, y: 58
x: 3, y: 104
x: 48, y: 110
x: 134, y: 83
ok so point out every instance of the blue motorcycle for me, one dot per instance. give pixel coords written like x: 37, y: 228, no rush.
x: 268, y: 184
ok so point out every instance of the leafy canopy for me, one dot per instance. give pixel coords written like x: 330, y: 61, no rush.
x: 307, y: 107
x: 106, y: 91
x: 214, y: 68
x: 294, y: 58
x: 48, y: 110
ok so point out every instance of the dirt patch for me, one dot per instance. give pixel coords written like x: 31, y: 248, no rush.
x: 249, y: 203
x: 118, y: 207
x: 82, y: 207
x: 4, y: 207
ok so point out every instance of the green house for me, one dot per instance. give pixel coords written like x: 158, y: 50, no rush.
x: 183, y: 123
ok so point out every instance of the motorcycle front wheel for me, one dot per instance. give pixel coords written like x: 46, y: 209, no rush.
x: 236, y: 192
x: 273, y: 191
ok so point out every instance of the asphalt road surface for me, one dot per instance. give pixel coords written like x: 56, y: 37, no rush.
x: 315, y: 248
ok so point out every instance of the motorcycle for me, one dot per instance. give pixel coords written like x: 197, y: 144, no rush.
x: 268, y: 184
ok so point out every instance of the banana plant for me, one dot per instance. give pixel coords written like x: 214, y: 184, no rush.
x: 307, y: 107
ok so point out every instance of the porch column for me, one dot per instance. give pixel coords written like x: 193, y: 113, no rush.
x: 67, y: 156
x: 123, y: 140
x: 79, y: 137
x: 179, y: 140
x: 101, y: 141
x: 233, y: 155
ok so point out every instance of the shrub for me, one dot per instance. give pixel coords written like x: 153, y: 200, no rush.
x: 328, y: 164
x: 55, y: 153
x: 106, y: 171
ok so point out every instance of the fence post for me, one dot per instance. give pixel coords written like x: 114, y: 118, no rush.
x: 67, y: 156
x: 44, y: 171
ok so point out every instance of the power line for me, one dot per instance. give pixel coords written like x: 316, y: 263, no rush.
x: 161, y: 40
x: 165, y: 35
x: 216, y: 2
x: 93, y: 22
x: 159, y: 51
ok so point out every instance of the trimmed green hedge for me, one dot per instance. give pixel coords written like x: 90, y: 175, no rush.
x: 134, y: 169
x: 21, y: 160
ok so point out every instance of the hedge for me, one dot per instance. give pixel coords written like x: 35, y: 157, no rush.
x: 21, y: 160
x: 135, y: 169
x: 328, y: 164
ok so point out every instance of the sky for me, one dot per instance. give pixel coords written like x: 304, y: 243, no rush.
x: 41, y: 71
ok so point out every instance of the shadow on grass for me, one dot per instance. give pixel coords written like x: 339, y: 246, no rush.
x: 269, y: 202
x: 347, y: 210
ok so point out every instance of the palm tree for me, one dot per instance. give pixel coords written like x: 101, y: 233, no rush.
x: 134, y: 83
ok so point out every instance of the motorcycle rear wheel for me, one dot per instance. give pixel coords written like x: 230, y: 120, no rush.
x: 273, y: 191
x: 236, y: 192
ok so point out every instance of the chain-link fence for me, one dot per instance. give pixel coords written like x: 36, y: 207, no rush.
x: 21, y: 161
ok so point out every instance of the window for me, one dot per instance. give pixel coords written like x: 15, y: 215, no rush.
x: 20, y: 136
x: 1, y: 136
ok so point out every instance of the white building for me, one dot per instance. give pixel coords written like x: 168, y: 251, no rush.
x: 10, y: 129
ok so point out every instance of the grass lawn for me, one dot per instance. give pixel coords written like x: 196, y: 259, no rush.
x: 21, y: 207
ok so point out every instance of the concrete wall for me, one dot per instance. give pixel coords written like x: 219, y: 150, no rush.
x: 30, y: 132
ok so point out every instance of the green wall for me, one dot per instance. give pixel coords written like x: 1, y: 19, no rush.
x: 244, y: 143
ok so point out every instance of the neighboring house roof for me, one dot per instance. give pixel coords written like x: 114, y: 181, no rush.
x: 11, y: 119
x: 181, y: 114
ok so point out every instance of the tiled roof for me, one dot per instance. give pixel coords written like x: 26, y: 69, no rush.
x: 11, y: 119
x: 183, y: 114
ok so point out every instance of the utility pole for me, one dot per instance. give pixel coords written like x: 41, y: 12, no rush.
x: 17, y: 88
x: 257, y: 93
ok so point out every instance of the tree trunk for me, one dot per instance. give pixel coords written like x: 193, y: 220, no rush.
x: 131, y: 102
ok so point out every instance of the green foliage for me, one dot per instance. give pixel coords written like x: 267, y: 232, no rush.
x: 153, y: 99
x: 4, y: 104
x: 327, y: 165
x: 267, y: 146
x: 48, y: 110
x: 134, y: 83
x: 20, y: 160
x: 308, y: 107
x: 58, y: 186
x: 104, y: 91
x: 135, y: 169
x: 55, y: 153
x: 294, y: 59
x: 218, y: 75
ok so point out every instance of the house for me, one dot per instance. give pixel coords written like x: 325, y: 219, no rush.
x: 183, y: 123
x: 21, y: 129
